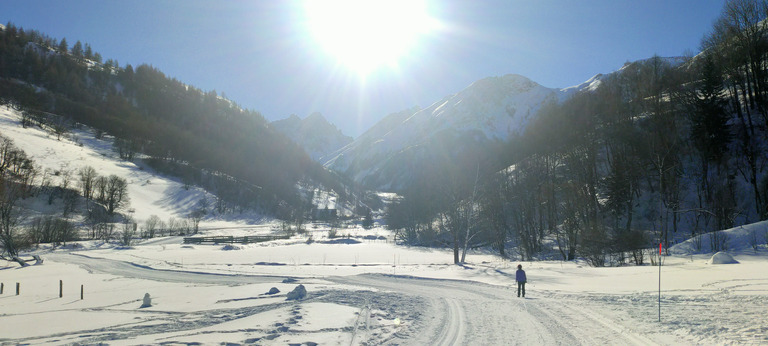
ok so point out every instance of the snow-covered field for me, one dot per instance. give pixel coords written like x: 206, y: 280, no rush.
x: 373, y: 292
x: 360, y: 290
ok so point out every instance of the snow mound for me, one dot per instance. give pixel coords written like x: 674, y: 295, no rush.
x: 739, y: 238
x: 298, y: 293
x: 147, y: 301
x: 722, y: 257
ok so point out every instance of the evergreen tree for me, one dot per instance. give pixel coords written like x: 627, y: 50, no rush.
x: 77, y: 50
x: 63, y: 47
x: 88, y: 52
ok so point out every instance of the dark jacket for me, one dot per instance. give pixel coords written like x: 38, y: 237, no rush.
x: 520, y: 276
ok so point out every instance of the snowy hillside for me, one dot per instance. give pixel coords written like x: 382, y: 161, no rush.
x: 741, y: 238
x: 315, y: 134
x: 149, y: 193
x: 491, y: 109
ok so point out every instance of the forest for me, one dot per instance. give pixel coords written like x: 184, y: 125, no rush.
x: 201, y: 137
x: 663, y: 150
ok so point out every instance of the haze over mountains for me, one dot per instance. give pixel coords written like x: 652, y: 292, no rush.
x: 490, y: 111
x: 315, y: 134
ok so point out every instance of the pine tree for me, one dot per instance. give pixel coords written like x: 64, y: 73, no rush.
x: 88, y: 52
x: 63, y: 47
x: 77, y: 50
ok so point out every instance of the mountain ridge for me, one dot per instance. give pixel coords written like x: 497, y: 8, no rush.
x: 490, y: 110
x: 315, y: 134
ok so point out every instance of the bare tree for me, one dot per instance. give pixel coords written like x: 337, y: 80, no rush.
x: 7, y: 152
x: 69, y: 196
x: 195, y: 217
x: 492, y: 210
x: 99, y: 221
x: 152, y: 224
x: 100, y: 189
x: 128, y: 232
x: 60, y: 127
x: 173, y: 226
x: 126, y: 149
x: 472, y: 209
x: 10, y: 237
x: 47, y: 229
x: 116, y: 196
x: 87, y: 181
x: 458, y: 215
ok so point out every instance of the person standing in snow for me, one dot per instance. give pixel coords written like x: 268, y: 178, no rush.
x: 521, y: 279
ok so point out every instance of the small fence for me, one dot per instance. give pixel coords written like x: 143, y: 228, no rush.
x: 233, y: 240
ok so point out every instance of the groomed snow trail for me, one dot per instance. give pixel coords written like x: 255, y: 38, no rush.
x: 435, y: 312
x: 130, y: 270
x: 471, y: 313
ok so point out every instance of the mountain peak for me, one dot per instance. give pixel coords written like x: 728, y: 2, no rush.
x: 314, y: 133
x: 316, y: 116
x: 487, y: 111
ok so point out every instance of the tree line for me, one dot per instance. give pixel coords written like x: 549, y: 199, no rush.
x: 20, y: 179
x: 661, y: 151
x: 102, y: 200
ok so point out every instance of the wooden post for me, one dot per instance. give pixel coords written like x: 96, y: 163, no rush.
x: 81, y: 292
x: 61, y: 288
x: 18, y: 288
x: 2, y: 286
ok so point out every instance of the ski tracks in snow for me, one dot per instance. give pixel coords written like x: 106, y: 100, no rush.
x: 454, y: 325
x: 464, y: 313
x: 591, y: 327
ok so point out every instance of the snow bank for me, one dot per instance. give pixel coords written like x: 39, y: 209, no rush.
x: 736, y: 239
x: 722, y: 257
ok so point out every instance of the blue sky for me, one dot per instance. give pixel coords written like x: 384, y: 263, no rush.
x: 260, y: 54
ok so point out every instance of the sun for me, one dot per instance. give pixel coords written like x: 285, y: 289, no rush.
x: 365, y: 35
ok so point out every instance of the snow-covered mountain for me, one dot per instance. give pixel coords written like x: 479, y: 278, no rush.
x: 490, y: 110
x: 315, y: 134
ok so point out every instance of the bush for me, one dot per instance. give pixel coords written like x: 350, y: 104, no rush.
x: 47, y: 229
x: 128, y: 233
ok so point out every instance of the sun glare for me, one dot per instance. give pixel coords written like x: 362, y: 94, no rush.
x: 365, y: 35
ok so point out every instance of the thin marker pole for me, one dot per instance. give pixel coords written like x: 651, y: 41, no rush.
x: 659, y: 282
